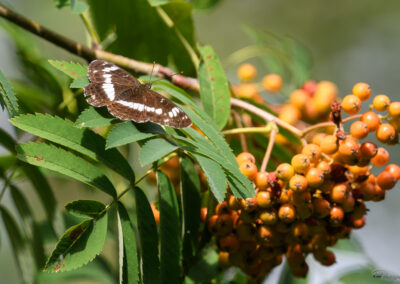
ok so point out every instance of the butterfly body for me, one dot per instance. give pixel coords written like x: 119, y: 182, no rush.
x: 128, y: 99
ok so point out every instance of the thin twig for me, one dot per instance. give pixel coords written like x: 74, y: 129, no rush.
x: 239, y: 124
x: 265, y: 115
x: 265, y: 130
x: 271, y: 143
x: 311, y: 128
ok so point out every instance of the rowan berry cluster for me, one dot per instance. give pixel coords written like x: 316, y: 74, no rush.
x: 306, y: 206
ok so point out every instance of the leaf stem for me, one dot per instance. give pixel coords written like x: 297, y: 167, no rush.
x: 271, y: 142
x: 239, y: 124
x: 7, y: 183
x: 90, y: 28
x: 266, y: 129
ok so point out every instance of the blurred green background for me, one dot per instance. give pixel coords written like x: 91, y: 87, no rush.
x: 349, y: 40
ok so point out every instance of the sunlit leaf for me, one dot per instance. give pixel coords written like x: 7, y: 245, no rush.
x: 95, y: 117
x: 154, y: 150
x: 79, y: 245
x: 66, y: 163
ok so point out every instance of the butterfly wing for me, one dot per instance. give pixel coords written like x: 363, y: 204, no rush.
x: 107, y: 82
x: 146, y: 105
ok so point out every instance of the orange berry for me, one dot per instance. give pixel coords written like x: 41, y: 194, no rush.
x: 309, y: 86
x: 212, y: 224
x: 362, y: 90
x: 339, y: 192
x: 156, y: 213
x: 203, y: 214
x: 229, y: 243
x: 287, y: 213
x: 298, y: 183
x: 300, y: 163
x: 261, y: 180
x: 321, y: 207
x: 381, y: 158
x: 264, y: 234
x: 379, y: 194
x: 349, y: 147
x: 325, y: 168
x: 394, y: 170
x: 264, y: 199
x: 386, y: 133
x: 223, y: 259
x: 381, y: 102
x: 329, y: 144
x: 351, y: 104
x: 314, y: 177
x: 233, y: 203
x: 245, y: 231
x: 245, y: 157
x: 268, y: 217
x: 301, y: 231
x: 272, y: 82
x: 386, y: 180
x: 285, y: 171
x: 299, y: 98
x: 359, y: 223
x: 359, y: 129
x: 247, y: 91
x: 394, y: 109
x: 368, y: 190
x: 285, y: 196
x: 348, y: 203
x: 246, y: 72
x: 317, y: 138
x: 289, y: 114
x: 224, y: 224
x: 313, y: 152
x: 368, y: 150
x: 359, y: 210
x: 324, y: 95
x: 325, y: 257
x: 371, y: 119
x: 222, y: 208
x: 336, y: 215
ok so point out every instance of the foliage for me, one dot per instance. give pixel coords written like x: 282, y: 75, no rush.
x: 73, y: 146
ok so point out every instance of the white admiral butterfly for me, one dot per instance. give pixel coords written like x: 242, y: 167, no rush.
x: 128, y: 99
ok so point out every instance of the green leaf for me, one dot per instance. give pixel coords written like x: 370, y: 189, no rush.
x: 154, y: 40
x: 170, y: 231
x: 130, y: 258
x: 79, y: 245
x: 64, y: 162
x: 128, y: 132
x: 72, y: 69
x: 85, y: 208
x: 204, y: 4
x: 215, y: 176
x: 191, y: 203
x: 154, y: 150
x: 93, y: 271
x: 78, y: 7
x: 95, y: 117
x: 206, y: 268
x: 8, y: 99
x: 46, y: 196
x: 82, y: 140
x: 214, y: 88
x: 148, y: 238
x: 62, y: 3
x: 31, y: 227
x: 20, y: 247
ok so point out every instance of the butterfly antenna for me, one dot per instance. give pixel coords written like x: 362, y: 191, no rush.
x: 152, y: 69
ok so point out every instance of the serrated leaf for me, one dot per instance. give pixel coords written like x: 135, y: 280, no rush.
x: 79, y: 245
x: 154, y: 150
x: 191, y: 205
x: 170, y: 231
x: 72, y: 69
x: 148, y: 238
x: 215, y: 176
x: 95, y: 117
x: 8, y: 99
x: 79, y: 83
x: 85, y: 208
x: 130, y: 258
x: 214, y: 88
x: 31, y: 227
x: 20, y: 247
x: 128, y: 132
x: 93, y: 271
x: 66, y: 163
x: 82, y: 140
x: 78, y: 7
x: 62, y: 3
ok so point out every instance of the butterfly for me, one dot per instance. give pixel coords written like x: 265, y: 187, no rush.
x: 128, y: 99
